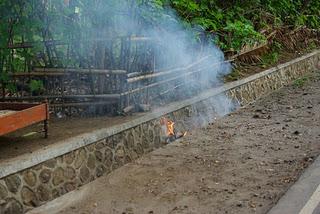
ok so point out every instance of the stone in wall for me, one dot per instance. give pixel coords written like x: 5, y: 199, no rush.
x: 99, y: 156
x: 11, y: 206
x: 50, y: 163
x: 57, y: 176
x: 45, y: 175
x: 69, y: 158
x: 69, y: 173
x: 109, y: 157
x: 81, y: 156
x: 28, y: 197
x: 30, y: 178
x: 13, y: 182
x: 3, y: 192
x: 91, y: 163
x: 101, y: 170
x: 84, y: 174
x: 119, y: 158
x: 43, y: 193
x: 70, y: 186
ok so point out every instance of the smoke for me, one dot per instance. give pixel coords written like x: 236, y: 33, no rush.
x: 178, y: 46
x: 166, y: 43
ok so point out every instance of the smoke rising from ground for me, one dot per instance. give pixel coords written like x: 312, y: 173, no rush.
x: 170, y: 46
x: 179, y: 46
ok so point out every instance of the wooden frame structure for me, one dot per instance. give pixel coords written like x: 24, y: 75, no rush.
x: 113, y: 89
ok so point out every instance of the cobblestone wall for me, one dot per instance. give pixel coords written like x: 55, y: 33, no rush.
x: 44, y: 182
x: 249, y: 92
x: 32, y: 187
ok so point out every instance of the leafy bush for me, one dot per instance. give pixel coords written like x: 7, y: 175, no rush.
x: 242, y: 33
x: 239, y: 23
x: 36, y: 86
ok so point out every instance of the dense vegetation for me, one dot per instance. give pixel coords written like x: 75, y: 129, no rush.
x: 238, y: 22
x: 30, y: 29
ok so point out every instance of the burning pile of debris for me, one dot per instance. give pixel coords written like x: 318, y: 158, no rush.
x: 169, y: 130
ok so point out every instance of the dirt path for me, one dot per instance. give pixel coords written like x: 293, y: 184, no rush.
x: 243, y: 163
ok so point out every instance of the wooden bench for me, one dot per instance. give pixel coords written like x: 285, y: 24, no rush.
x: 14, y: 116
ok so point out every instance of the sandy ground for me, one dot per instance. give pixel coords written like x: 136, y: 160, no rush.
x: 242, y: 163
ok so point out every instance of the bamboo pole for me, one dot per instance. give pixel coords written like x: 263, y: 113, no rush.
x: 162, y: 73
x: 80, y: 70
x: 183, y: 75
x: 158, y: 83
x: 60, y: 42
x: 36, y: 74
x: 82, y: 104
x: 97, y: 96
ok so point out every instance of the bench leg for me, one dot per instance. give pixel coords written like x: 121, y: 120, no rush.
x: 45, y: 123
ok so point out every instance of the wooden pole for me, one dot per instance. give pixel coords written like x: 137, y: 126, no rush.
x: 162, y: 73
x: 80, y: 70
x: 97, y: 96
x: 161, y: 82
x: 77, y: 104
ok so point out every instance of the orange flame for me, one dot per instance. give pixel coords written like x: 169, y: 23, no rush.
x: 170, y: 131
x: 170, y: 128
x: 169, y: 124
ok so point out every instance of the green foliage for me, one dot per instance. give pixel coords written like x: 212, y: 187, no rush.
x: 231, y: 24
x: 5, y: 80
x: 312, y: 45
x: 270, y: 58
x: 234, y: 75
x: 241, y: 34
x: 237, y: 23
x: 299, y: 83
x: 36, y: 86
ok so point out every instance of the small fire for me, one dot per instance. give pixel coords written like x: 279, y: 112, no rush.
x: 170, y: 128
x: 170, y: 131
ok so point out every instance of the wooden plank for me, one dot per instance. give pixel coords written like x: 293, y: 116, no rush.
x: 22, y: 119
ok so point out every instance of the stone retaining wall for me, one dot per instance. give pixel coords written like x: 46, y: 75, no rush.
x: 274, y: 79
x: 28, y: 186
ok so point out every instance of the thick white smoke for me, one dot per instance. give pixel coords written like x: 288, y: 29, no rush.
x: 173, y: 46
